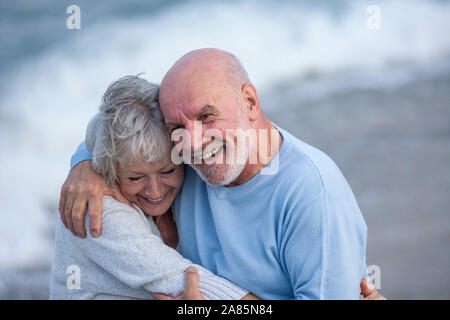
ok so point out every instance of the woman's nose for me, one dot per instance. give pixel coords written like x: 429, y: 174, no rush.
x: 154, y: 187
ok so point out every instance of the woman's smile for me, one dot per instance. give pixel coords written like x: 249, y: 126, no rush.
x: 154, y: 202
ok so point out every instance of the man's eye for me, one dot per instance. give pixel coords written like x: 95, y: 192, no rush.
x: 134, y: 179
x: 174, y: 128
x: 204, y: 116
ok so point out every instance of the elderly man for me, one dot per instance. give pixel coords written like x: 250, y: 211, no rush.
x: 283, y: 224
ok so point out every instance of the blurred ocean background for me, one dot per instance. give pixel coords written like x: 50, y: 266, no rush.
x: 376, y: 101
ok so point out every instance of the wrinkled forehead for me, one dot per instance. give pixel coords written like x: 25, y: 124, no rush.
x: 185, y: 99
x: 176, y: 102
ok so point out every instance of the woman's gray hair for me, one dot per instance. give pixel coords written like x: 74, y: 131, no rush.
x: 129, y: 127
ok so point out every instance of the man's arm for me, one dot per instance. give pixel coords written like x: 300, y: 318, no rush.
x: 84, y: 189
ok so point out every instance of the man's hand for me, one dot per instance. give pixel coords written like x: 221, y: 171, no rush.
x: 191, y: 291
x: 369, y: 292
x: 84, y: 189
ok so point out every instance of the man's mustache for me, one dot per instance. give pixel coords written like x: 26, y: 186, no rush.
x: 196, y: 156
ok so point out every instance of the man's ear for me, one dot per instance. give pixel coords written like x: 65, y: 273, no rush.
x: 250, y: 97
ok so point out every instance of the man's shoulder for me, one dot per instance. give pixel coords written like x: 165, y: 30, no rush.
x: 307, y: 154
x: 302, y: 164
x: 298, y: 164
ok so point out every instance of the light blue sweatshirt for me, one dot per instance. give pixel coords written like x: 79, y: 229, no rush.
x: 295, y: 234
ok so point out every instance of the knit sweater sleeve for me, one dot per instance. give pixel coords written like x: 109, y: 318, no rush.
x: 133, y: 253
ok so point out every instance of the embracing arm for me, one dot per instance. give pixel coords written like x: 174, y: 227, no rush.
x: 84, y: 189
x: 80, y: 155
x: 132, y: 253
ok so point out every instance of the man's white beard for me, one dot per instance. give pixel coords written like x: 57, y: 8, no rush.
x: 230, y: 171
x: 209, y: 175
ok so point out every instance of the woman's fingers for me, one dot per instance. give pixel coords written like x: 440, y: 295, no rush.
x: 369, y: 291
x: 192, y: 292
x: 367, y: 288
x: 374, y: 296
x: 161, y: 296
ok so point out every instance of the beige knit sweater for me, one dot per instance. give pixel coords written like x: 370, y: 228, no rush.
x: 128, y: 261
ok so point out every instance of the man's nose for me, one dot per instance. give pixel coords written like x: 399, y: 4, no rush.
x: 196, y: 136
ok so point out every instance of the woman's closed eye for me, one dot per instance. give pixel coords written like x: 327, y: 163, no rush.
x: 167, y: 172
x: 135, y: 179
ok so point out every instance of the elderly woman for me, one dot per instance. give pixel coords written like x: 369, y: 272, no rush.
x: 130, y: 146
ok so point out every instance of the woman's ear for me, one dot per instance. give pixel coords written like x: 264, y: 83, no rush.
x: 250, y: 97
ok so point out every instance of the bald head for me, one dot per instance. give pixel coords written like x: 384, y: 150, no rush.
x: 200, y: 79
x: 215, y: 66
